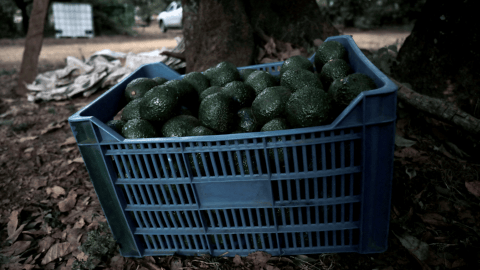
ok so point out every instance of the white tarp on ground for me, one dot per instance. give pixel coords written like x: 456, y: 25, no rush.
x: 101, y: 70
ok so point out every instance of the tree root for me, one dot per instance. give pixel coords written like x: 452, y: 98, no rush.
x: 438, y: 108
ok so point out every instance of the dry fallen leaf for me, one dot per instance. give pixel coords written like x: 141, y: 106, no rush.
x: 17, y: 248
x: 473, y: 187
x: 259, y: 259
x: 56, y: 251
x: 28, y: 138
x: 78, y: 160
x: 270, y: 47
x: 79, y: 224
x: 434, y: 219
x: 12, y: 238
x: 416, y: 247
x: 55, y: 191
x: 68, y: 204
x: 237, y: 260
x: 45, y: 243
x: 51, y: 127
x: 13, y: 222
x: 39, y: 182
x: 70, y: 140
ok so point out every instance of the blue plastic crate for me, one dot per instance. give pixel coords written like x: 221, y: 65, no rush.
x: 299, y: 191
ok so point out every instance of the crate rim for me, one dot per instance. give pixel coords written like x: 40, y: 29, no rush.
x: 388, y: 87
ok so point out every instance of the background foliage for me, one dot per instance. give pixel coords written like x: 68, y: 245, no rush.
x: 110, y: 17
x: 366, y: 14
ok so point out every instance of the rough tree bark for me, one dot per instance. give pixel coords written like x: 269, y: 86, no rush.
x: 441, y: 56
x: 227, y: 30
x: 33, y: 45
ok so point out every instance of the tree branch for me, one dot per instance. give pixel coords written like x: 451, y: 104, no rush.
x: 180, y: 56
x: 440, y: 109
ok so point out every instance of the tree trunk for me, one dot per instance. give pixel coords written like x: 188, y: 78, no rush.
x: 33, y: 45
x: 226, y: 30
x: 441, y: 57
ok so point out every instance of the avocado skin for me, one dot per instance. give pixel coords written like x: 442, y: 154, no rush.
x: 116, y: 125
x: 270, y: 104
x: 246, y: 121
x: 201, y: 131
x: 344, y: 90
x: 244, y: 73
x: 160, y: 104
x: 273, y: 125
x: 216, y: 113
x: 197, y: 80
x: 187, y: 95
x: 209, y: 73
x: 138, y: 87
x: 160, y: 80
x: 179, y: 126
x: 242, y: 94
x: 327, y: 51
x: 260, y: 80
x: 334, y: 69
x: 224, y: 73
x: 296, y: 62
x: 209, y: 91
x: 295, y: 79
x: 132, y: 110
x: 308, y: 107
x: 138, y: 128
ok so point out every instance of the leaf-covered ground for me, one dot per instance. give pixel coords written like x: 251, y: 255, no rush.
x: 50, y: 217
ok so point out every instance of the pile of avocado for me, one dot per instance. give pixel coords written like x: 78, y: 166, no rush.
x: 224, y: 100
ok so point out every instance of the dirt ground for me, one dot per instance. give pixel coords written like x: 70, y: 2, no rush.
x: 48, y: 207
x: 55, y: 51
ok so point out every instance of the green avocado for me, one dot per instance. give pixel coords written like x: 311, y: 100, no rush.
x: 273, y: 125
x: 187, y: 95
x: 295, y: 79
x: 327, y: 51
x: 242, y: 94
x: 260, y: 80
x: 138, y: 87
x: 296, y: 62
x: 244, y: 73
x: 216, y: 112
x: 209, y: 91
x: 246, y: 121
x: 270, y: 104
x: 132, y: 110
x: 116, y: 125
x: 224, y: 73
x: 308, y: 107
x: 344, y: 90
x: 332, y: 70
x: 179, y: 126
x: 160, y: 104
x: 197, y: 80
x: 137, y: 129
x: 160, y: 80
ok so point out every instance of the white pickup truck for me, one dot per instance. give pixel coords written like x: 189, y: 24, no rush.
x: 171, y: 18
